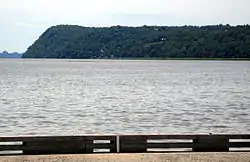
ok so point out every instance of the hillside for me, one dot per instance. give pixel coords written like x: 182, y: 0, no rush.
x: 67, y: 41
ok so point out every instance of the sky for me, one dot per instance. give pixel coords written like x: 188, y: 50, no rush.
x: 23, y: 21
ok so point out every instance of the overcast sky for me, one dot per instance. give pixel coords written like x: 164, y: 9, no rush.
x: 23, y: 21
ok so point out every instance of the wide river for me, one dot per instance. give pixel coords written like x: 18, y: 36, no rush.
x: 72, y: 97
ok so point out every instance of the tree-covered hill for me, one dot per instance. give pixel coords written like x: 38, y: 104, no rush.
x: 68, y: 41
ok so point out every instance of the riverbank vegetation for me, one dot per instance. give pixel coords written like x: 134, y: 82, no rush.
x: 146, y: 42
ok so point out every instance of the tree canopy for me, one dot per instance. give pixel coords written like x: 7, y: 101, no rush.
x: 70, y: 41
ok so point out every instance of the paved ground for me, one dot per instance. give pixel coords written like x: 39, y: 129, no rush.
x: 171, y: 157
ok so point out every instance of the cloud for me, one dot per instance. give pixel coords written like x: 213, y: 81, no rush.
x: 27, y: 25
x: 32, y: 17
x: 80, y: 10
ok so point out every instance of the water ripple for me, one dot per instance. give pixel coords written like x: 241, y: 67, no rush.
x: 58, y: 97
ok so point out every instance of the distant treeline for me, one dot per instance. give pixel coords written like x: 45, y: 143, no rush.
x: 68, y: 41
x: 5, y: 54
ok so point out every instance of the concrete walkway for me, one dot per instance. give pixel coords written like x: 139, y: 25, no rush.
x: 157, y: 157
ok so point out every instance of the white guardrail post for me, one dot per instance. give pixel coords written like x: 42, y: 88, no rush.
x: 118, y: 143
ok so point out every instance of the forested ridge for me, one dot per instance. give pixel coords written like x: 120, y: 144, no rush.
x: 70, y: 41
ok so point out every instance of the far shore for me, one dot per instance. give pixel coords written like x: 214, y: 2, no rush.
x: 169, y: 58
x: 138, y: 58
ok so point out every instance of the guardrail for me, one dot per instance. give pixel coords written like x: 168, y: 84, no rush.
x: 89, y: 144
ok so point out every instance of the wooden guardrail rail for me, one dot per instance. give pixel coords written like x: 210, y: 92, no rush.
x: 89, y: 144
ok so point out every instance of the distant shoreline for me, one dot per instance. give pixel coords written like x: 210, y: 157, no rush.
x: 209, y: 59
x: 138, y: 58
x: 218, y: 42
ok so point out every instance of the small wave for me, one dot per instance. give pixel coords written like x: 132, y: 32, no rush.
x: 220, y: 126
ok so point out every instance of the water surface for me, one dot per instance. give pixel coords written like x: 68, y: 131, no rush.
x: 69, y: 97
